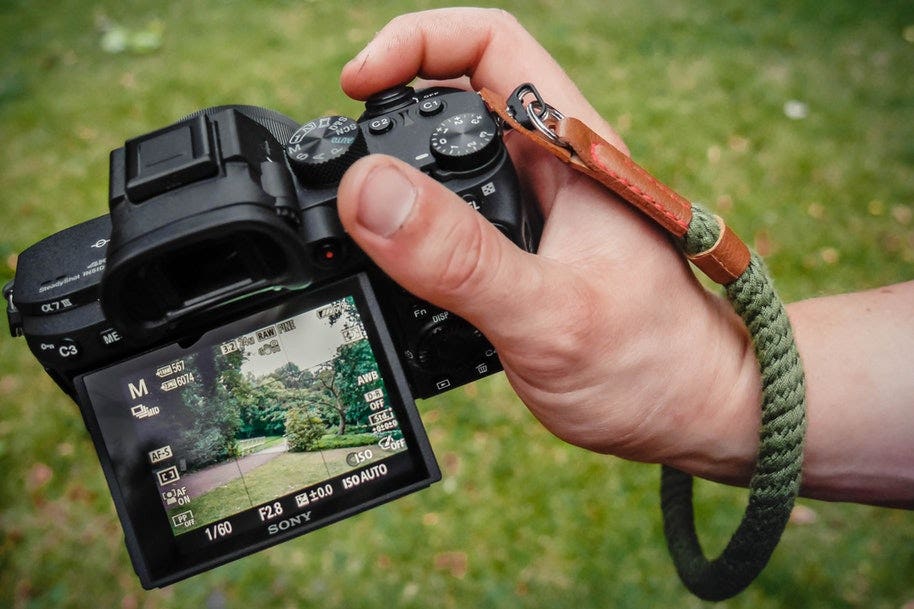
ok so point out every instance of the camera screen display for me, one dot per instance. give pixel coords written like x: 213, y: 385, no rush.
x: 240, y: 423
x: 263, y: 428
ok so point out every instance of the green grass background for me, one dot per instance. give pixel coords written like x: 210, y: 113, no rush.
x: 697, y: 88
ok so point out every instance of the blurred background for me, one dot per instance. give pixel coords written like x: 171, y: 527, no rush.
x: 794, y: 120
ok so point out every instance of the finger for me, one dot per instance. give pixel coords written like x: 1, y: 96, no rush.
x: 461, y: 82
x: 443, y: 44
x: 430, y: 242
x: 488, y: 45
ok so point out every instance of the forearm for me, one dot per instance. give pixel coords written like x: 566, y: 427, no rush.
x: 858, y: 355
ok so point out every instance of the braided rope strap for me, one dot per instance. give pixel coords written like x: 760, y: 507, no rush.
x: 776, y: 480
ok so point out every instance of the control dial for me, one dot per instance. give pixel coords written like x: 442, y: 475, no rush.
x: 322, y: 150
x: 465, y: 141
x: 448, y: 345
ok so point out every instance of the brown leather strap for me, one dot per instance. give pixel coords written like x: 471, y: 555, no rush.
x: 613, y: 168
x: 580, y: 147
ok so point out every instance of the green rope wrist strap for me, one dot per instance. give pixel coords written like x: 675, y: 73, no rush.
x: 712, y: 247
x: 776, y: 480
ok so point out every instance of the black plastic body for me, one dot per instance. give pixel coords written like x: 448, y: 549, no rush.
x: 211, y: 231
x: 230, y: 206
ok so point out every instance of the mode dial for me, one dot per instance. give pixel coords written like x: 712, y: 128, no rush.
x: 465, y: 141
x: 322, y: 150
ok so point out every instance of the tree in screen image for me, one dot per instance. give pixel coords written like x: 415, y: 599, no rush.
x: 211, y: 423
x: 223, y: 404
x: 335, y: 386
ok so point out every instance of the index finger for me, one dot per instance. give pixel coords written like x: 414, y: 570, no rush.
x: 488, y: 45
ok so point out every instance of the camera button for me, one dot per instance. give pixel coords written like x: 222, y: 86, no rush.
x: 110, y: 337
x: 377, y: 126
x: 431, y: 107
x: 67, y: 349
x: 328, y: 252
x: 389, y: 99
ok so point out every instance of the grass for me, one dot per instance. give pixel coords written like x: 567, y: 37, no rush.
x: 280, y: 476
x: 699, y: 91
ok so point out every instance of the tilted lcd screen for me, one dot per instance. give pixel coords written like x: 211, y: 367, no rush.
x: 258, y: 428
x: 263, y: 415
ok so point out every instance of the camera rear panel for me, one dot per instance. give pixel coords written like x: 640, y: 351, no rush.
x: 220, y: 324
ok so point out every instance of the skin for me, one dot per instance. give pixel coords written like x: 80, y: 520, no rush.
x: 605, y: 334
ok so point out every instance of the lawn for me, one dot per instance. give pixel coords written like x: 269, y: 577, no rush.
x: 794, y: 120
x: 286, y: 473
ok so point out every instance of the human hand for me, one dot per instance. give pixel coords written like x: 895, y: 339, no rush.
x: 604, y: 334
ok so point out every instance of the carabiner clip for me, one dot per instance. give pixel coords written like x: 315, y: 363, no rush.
x: 534, y: 114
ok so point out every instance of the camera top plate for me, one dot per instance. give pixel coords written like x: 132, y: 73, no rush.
x: 52, y: 280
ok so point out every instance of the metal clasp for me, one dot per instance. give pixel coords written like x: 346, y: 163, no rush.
x: 534, y: 113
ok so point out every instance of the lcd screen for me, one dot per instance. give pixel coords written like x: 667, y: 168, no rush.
x: 283, y: 420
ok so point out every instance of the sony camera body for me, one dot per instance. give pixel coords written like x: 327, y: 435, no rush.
x: 245, y: 372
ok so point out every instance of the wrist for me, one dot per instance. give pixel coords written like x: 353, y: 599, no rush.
x: 723, y: 435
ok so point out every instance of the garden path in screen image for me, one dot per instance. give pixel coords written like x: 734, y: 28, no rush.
x: 199, y: 483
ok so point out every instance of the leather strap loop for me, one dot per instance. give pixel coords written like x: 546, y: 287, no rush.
x: 499, y: 106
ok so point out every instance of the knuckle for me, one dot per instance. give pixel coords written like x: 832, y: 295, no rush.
x: 403, y: 20
x: 504, y: 18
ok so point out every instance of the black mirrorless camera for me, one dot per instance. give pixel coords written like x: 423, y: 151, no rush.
x: 245, y: 372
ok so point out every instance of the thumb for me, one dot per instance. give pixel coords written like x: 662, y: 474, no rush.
x: 428, y: 240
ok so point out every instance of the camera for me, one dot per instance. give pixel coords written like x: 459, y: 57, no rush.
x: 244, y: 370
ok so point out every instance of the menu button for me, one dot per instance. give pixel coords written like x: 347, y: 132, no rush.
x: 110, y: 337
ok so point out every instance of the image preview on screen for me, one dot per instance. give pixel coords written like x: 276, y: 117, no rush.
x: 110, y: 398
x: 233, y: 424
